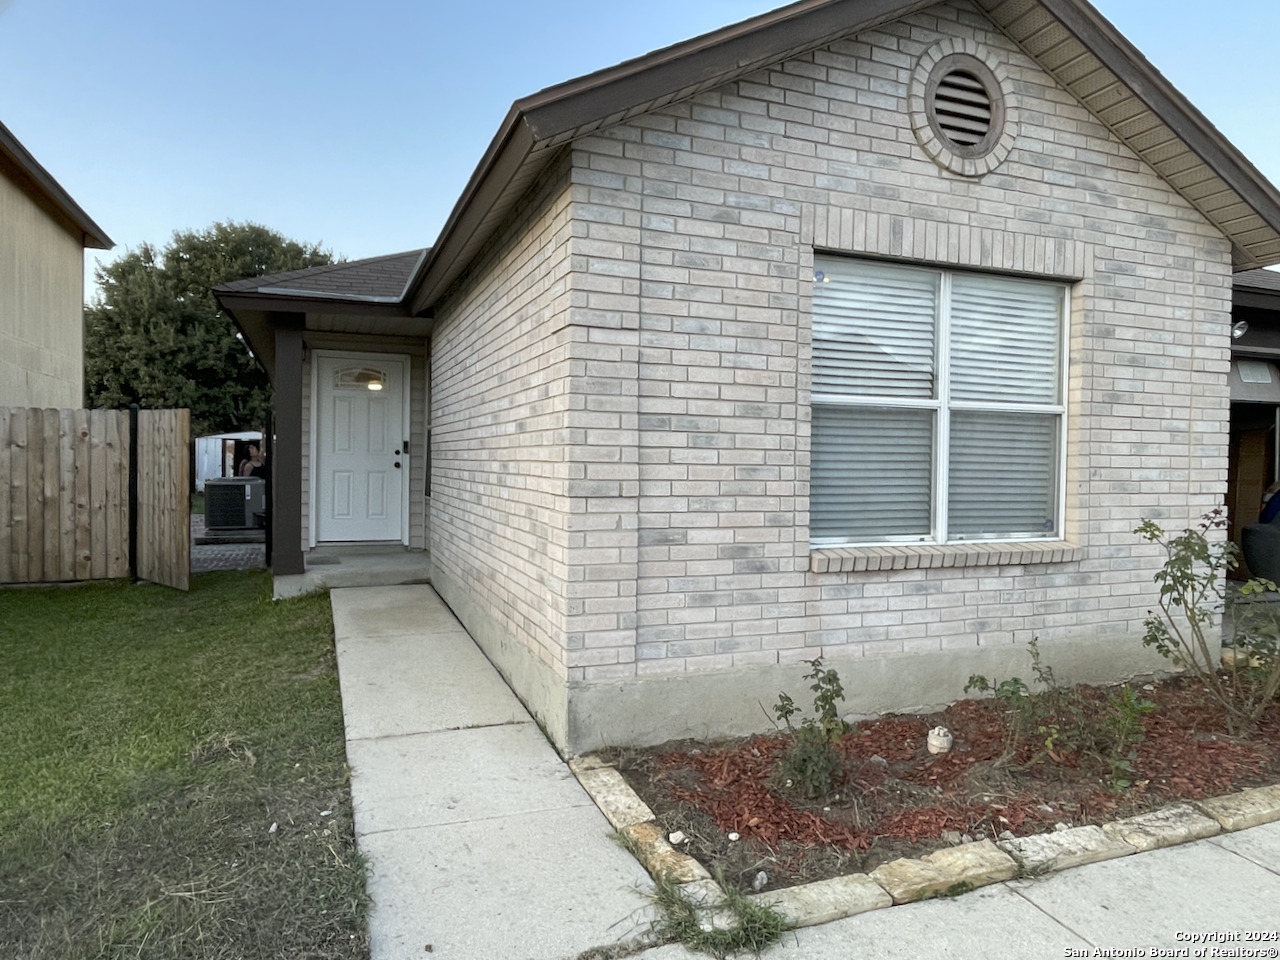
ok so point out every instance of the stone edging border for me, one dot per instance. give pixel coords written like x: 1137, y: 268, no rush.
x: 945, y: 872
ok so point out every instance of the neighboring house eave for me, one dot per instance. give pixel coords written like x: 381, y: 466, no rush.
x: 1256, y: 299
x: 1258, y: 289
x: 1069, y: 38
x: 22, y: 168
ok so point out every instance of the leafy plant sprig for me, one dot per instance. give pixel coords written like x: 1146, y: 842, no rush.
x: 1193, y: 596
x: 812, y: 761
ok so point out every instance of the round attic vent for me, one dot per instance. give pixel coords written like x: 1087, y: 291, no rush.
x: 961, y: 107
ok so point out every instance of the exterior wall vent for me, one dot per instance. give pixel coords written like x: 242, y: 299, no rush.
x: 962, y: 106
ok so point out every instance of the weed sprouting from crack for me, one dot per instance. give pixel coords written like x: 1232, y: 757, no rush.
x: 730, y: 925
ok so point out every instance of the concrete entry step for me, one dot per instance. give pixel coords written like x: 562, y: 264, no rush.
x: 360, y: 565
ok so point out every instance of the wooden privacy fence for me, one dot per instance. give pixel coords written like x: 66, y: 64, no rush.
x: 67, y: 482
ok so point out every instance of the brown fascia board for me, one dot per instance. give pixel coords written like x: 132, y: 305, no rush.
x: 283, y: 303
x: 743, y: 46
x: 567, y: 106
x: 1257, y: 298
x: 1146, y: 83
x: 506, y: 154
x: 22, y: 168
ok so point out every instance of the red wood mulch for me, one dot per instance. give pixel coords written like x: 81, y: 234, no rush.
x: 733, y: 790
x: 893, y: 792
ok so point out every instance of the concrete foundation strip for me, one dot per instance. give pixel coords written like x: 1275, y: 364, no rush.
x: 946, y: 872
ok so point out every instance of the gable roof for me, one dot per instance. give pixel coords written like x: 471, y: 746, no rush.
x: 1070, y: 39
x: 382, y: 279
x: 357, y: 296
x: 21, y: 167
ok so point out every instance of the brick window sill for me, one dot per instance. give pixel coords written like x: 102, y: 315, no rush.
x: 930, y: 557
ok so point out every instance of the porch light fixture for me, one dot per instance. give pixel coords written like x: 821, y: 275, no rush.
x: 1239, y: 329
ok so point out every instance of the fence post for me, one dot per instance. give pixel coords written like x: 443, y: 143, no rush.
x: 133, y: 491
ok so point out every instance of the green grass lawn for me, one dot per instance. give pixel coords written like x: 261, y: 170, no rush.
x: 174, y: 778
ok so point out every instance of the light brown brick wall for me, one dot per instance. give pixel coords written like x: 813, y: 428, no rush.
x: 712, y: 209
x: 622, y: 404
x: 500, y: 507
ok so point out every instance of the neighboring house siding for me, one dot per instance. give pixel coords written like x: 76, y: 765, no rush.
x: 501, y: 514
x: 693, y: 262
x: 41, y: 306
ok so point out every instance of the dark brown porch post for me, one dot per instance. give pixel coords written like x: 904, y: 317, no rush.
x: 286, y: 465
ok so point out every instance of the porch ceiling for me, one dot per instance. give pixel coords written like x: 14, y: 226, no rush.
x: 258, y: 327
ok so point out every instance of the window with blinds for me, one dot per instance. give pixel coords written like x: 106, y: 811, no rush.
x: 938, y: 405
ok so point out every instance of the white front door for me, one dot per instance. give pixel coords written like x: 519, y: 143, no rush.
x: 361, y: 471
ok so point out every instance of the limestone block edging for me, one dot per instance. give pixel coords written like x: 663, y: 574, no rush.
x: 946, y: 872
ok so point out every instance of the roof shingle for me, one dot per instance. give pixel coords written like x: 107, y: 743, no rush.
x: 381, y: 279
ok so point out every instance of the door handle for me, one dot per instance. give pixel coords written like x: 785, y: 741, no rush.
x: 397, y: 464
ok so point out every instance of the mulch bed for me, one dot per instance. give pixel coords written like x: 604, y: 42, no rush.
x: 892, y: 798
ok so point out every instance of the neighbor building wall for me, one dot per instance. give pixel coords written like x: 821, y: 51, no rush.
x: 694, y: 263
x: 502, y: 477
x: 41, y: 306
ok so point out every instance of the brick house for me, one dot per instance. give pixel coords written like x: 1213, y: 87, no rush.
x: 866, y: 329
x: 43, y: 236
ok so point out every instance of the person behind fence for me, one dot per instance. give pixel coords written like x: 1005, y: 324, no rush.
x: 255, y: 465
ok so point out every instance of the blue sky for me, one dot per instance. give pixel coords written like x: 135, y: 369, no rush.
x: 357, y: 125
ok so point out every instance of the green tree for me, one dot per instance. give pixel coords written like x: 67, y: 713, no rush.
x: 154, y: 335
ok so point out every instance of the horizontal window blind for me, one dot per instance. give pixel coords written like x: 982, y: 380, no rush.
x: 1004, y: 340
x: 872, y: 473
x: 1003, y: 481
x: 874, y: 330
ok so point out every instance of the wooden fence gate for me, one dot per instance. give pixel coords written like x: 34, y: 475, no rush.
x: 67, y: 479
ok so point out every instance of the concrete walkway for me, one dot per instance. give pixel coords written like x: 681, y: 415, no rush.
x: 482, y: 845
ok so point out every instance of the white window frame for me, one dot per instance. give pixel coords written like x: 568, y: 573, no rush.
x: 943, y: 408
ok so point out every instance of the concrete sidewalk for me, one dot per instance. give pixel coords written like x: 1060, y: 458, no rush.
x: 483, y: 845
x: 1229, y: 885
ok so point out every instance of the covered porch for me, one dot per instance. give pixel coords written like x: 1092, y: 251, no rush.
x: 348, y: 440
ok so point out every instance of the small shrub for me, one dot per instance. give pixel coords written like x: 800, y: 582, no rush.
x: 1123, y: 724
x: 1193, y: 594
x: 811, y: 762
x: 1043, y: 712
x: 1066, y: 722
